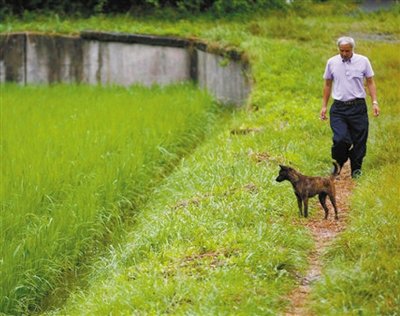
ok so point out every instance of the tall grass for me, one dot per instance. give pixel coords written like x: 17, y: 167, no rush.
x: 217, y: 237
x: 302, y: 23
x: 75, y: 161
x: 362, y: 273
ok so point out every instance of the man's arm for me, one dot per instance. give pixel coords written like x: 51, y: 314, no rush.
x: 372, y: 91
x: 325, y: 98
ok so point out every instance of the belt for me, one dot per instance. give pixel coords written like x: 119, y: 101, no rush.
x: 351, y: 102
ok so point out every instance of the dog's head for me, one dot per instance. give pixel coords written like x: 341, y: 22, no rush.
x: 285, y: 173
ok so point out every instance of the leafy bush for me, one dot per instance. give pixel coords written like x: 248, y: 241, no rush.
x: 90, y: 7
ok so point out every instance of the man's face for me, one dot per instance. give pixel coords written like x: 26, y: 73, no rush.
x: 346, y: 51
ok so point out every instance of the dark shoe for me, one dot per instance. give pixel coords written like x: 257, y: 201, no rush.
x: 356, y: 174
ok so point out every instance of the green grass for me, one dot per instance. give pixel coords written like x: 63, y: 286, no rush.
x: 76, y: 161
x: 219, y: 235
x: 362, y: 273
x: 302, y: 24
x: 216, y: 238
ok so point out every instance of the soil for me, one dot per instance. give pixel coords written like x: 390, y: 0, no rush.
x: 323, y: 233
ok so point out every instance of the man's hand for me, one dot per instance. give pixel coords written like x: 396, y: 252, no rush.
x: 323, y: 113
x: 325, y: 98
x: 376, y: 109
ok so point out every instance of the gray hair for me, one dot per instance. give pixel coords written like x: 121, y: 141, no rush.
x: 346, y: 40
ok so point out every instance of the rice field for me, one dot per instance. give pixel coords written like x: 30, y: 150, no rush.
x: 76, y: 162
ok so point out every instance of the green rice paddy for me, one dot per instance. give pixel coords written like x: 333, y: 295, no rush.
x: 76, y: 160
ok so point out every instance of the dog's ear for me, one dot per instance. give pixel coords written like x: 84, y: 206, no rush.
x: 284, y: 167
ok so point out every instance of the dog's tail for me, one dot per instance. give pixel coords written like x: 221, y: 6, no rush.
x: 336, y: 169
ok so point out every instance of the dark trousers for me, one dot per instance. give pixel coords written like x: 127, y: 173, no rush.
x: 349, y: 124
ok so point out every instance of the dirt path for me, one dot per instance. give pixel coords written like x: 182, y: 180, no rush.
x: 323, y: 233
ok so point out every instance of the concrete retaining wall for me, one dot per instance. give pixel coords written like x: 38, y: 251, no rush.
x: 12, y: 58
x: 122, y: 59
x: 53, y: 59
x: 227, y: 83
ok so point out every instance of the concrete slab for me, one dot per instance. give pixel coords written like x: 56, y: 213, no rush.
x: 12, y: 57
x: 226, y: 79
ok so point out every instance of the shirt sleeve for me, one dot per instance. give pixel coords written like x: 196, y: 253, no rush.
x: 368, y: 69
x: 328, y: 73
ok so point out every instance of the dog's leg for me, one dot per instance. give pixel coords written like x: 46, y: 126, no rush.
x: 300, y: 204
x: 305, y: 201
x: 333, y: 201
x: 322, y: 200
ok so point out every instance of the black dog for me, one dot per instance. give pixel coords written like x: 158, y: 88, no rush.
x: 306, y: 187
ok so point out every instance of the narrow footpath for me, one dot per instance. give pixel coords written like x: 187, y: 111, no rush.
x: 323, y: 232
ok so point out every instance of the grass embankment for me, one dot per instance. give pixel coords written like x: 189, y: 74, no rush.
x: 76, y: 162
x: 219, y: 236
x: 305, y: 23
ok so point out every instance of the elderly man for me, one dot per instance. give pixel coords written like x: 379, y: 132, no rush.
x: 348, y: 113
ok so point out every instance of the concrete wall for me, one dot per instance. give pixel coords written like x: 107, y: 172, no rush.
x: 122, y: 59
x: 53, y: 59
x: 127, y: 64
x: 225, y: 79
x: 12, y: 58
